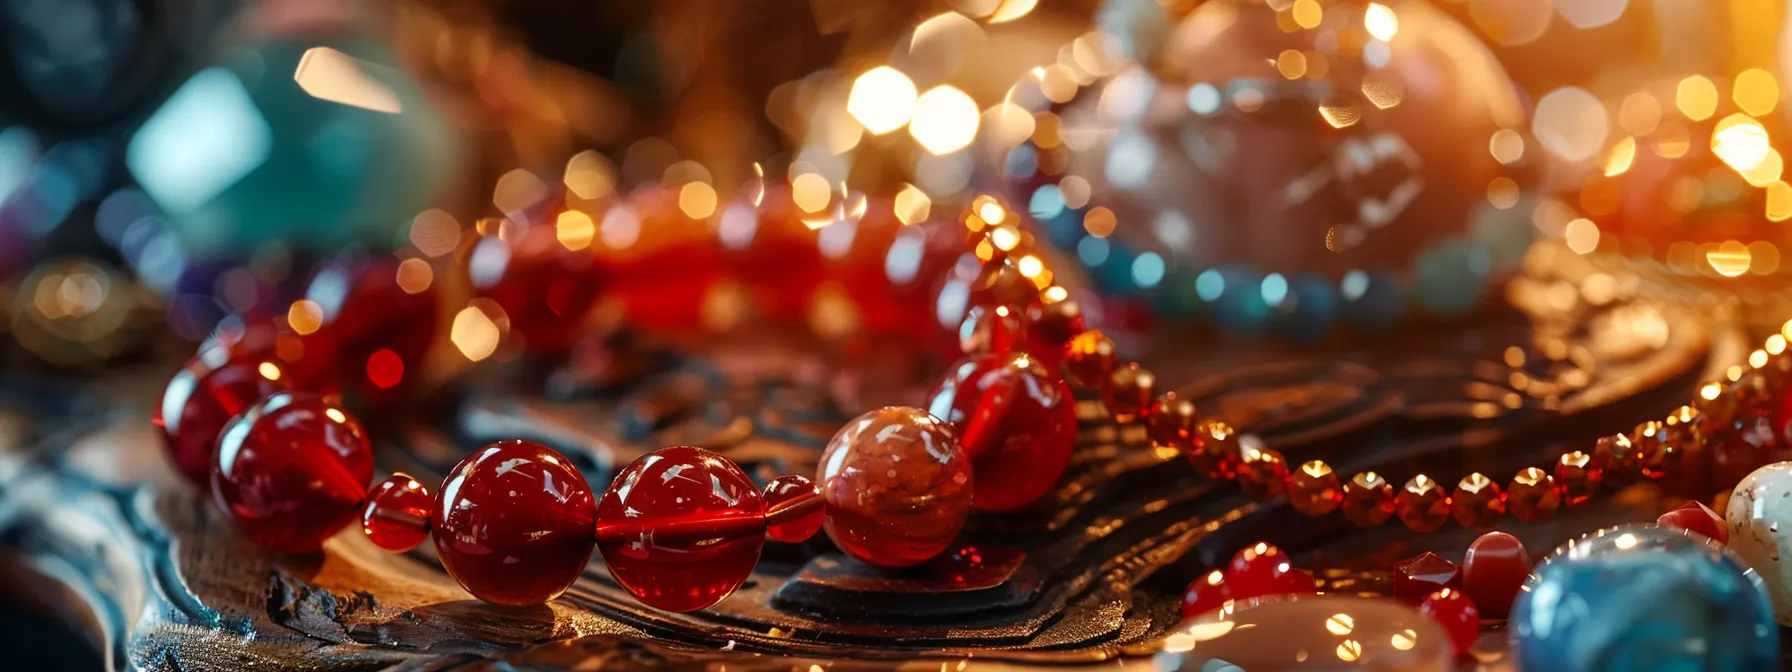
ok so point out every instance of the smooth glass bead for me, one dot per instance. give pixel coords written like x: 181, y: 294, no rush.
x: 1493, y: 570
x: 1423, y: 574
x: 201, y: 398
x: 1205, y: 594
x: 1457, y: 614
x: 1368, y: 499
x: 1050, y: 324
x: 1089, y: 358
x: 1217, y: 450
x: 1422, y: 504
x: 999, y: 282
x: 991, y: 331
x: 1171, y: 421
x: 793, y: 509
x: 1643, y: 597
x: 1262, y: 472
x: 396, y: 515
x: 544, y: 289
x: 1015, y: 421
x: 379, y: 319
x: 1258, y: 569
x: 1578, y: 476
x: 1313, y: 489
x: 1301, y: 632
x: 1618, y: 455
x: 1689, y: 473
x: 897, y: 486
x: 292, y: 470
x: 1696, y: 517
x: 680, y: 528
x: 1477, y: 502
x: 1533, y: 495
x: 1128, y: 392
x: 514, y: 523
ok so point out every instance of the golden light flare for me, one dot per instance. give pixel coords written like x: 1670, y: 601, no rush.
x: 435, y: 232
x: 1581, y: 236
x: 1307, y: 13
x: 1011, y: 10
x: 1383, y: 91
x: 1622, y: 155
x: 1779, y: 201
x: 518, y: 190
x: 415, y: 275
x: 589, y: 175
x: 328, y: 74
x: 882, y: 100
x: 1292, y: 64
x: 1767, y: 172
x: 1502, y: 192
x: 1741, y: 142
x: 1380, y: 21
x: 475, y: 333
x: 1639, y: 113
x: 991, y: 211
x: 1030, y: 266
x: 1696, y: 97
x: 810, y: 192
x: 945, y: 120
x: 269, y: 370
x: 305, y: 317
x: 1005, y: 237
x: 1506, y: 145
x: 1755, y: 91
x: 1342, y: 113
x: 1100, y: 221
x: 697, y: 200
x: 912, y: 205
x: 574, y: 229
x: 1730, y: 258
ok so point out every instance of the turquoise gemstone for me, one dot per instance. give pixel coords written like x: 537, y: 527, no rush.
x: 1643, y: 597
x: 319, y: 144
x: 1450, y: 277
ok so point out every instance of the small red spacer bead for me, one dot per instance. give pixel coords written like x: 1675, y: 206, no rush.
x: 396, y: 515
x: 793, y: 509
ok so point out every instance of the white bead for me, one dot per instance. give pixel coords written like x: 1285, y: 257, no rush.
x: 1760, y: 520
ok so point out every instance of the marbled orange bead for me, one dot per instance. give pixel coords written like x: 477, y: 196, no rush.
x: 1313, y: 489
x: 1578, y: 476
x: 1477, y: 502
x: 1089, y: 358
x: 1171, y: 421
x: 1368, y: 499
x: 1533, y: 495
x: 1261, y: 471
x: 1422, y: 504
x: 1216, y: 452
x: 1128, y: 392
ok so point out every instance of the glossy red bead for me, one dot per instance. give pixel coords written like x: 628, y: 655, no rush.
x: 1694, y: 516
x: 793, y: 509
x: 1050, y: 323
x: 203, y: 397
x: 1493, y: 571
x: 1457, y: 614
x: 545, y: 289
x: 1205, y: 594
x: 1416, y: 577
x: 1422, y: 504
x: 1015, y: 421
x: 396, y: 515
x: 1262, y: 569
x: 991, y: 331
x: 897, y: 486
x: 681, y: 528
x: 514, y: 523
x: 1089, y: 359
x: 378, y: 321
x: 292, y: 470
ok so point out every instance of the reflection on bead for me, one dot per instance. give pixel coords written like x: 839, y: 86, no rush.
x: 1422, y: 504
x: 1128, y: 392
x: 1216, y: 453
x: 1424, y: 574
x: 1050, y: 324
x: 396, y: 516
x: 898, y: 487
x: 990, y: 331
x: 1205, y: 594
x: 202, y: 398
x: 1578, y: 476
x: 793, y: 509
x: 292, y: 470
x: 1089, y: 358
x: 1261, y: 470
x: 1313, y: 489
x: 1620, y: 459
x: 1655, y: 452
x: 1262, y: 569
x: 1457, y: 614
x: 1696, y: 517
x: 681, y: 528
x: 1533, y: 495
x: 1015, y: 421
x: 514, y: 523
x: 1171, y: 421
x: 1368, y: 499
x: 1477, y: 502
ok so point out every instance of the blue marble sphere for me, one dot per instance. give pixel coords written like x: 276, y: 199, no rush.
x: 1643, y: 597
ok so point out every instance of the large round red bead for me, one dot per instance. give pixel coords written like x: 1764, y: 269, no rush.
x: 681, y: 528
x: 513, y: 523
x: 202, y: 398
x: 292, y: 470
x: 396, y: 516
x: 897, y: 487
x: 1457, y: 614
x: 1017, y: 422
